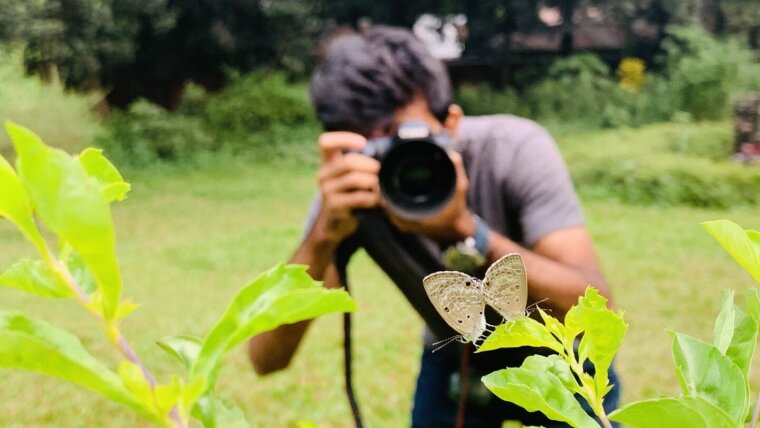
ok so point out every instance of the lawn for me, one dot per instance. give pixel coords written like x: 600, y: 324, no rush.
x: 189, y: 238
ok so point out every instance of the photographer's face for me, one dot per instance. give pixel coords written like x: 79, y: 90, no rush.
x: 418, y: 110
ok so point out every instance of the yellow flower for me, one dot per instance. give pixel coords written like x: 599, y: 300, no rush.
x: 632, y: 74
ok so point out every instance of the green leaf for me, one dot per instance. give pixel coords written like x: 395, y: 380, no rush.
x: 71, y: 204
x: 753, y: 305
x: 112, y: 184
x: 555, y: 365
x: 738, y: 243
x: 724, y: 323
x: 705, y: 372
x: 34, y: 277
x: 692, y: 412
x: 603, y: 333
x: 183, y: 348
x: 282, y: 295
x: 133, y: 377
x: 168, y: 395
x: 537, y: 390
x: 37, y: 346
x: 556, y: 328
x: 213, y: 413
x: 16, y: 207
x: 521, y: 332
x: 743, y: 341
x: 81, y: 273
x: 125, y: 308
x: 754, y: 236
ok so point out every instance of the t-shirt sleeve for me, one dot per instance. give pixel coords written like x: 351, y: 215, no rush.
x: 541, y: 181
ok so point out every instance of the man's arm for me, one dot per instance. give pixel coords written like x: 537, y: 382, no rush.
x: 559, y: 266
x: 273, y: 350
x: 347, y: 181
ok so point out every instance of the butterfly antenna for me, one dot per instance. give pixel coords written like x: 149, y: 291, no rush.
x: 445, y: 342
x: 533, y: 307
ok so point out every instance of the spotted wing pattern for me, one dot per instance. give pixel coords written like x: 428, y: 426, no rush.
x: 458, y: 298
x: 505, y: 286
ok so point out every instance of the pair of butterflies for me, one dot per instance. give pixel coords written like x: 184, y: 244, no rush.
x: 460, y: 299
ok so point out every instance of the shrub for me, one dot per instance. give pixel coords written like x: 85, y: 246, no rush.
x: 483, y: 99
x: 704, y: 71
x: 700, y: 74
x: 255, y: 103
x: 62, y: 118
x: 84, y: 268
x: 578, y: 88
x: 146, y: 133
x: 671, y: 164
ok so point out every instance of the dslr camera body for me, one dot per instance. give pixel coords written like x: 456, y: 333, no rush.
x: 417, y: 177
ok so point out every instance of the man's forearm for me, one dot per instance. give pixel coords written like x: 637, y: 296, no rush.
x: 273, y: 350
x: 558, y: 283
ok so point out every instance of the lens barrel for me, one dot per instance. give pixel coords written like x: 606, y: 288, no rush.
x: 417, y: 177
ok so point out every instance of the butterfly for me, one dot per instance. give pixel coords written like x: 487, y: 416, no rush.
x: 460, y: 299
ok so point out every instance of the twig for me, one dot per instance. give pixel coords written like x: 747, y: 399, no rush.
x: 112, y: 331
x: 755, y: 413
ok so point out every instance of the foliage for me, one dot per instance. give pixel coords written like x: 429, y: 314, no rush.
x: 83, y: 39
x: 259, y: 113
x: 71, y: 197
x: 714, y: 377
x: 549, y: 383
x: 147, y: 133
x: 665, y: 164
x: 699, y: 75
x: 63, y: 118
x: 704, y: 71
x: 254, y: 103
x: 482, y: 99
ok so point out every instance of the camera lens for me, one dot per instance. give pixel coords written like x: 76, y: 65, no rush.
x: 417, y: 178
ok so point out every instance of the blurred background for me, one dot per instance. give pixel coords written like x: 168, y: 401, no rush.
x: 203, y: 105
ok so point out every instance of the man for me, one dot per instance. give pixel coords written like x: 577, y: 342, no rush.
x: 513, y: 194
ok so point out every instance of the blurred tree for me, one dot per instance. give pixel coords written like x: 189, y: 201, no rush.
x: 80, y: 39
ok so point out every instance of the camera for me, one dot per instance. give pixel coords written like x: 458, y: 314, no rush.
x: 417, y: 177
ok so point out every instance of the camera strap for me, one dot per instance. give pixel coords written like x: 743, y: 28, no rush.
x: 406, y: 261
x: 343, y: 254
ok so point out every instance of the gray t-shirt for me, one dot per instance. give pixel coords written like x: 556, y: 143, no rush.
x: 519, y: 185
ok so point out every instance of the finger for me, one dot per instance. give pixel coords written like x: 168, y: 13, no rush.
x: 332, y: 144
x: 354, y: 180
x: 353, y: 200
x: 348, y: 163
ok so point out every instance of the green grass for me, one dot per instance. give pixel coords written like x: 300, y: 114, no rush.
x: 189, y: 238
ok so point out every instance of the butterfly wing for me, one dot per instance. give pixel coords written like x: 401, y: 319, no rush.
x: 505, y: 286
x: 458, y: 298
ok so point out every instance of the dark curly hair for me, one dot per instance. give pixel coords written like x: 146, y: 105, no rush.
x: 365, y: 77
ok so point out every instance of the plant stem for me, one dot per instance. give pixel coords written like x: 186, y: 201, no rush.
x: 755, y: 413
x: 110, y: 328
x: 596, y: 405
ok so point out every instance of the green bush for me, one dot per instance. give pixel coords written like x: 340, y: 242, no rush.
x: 64, y: 119
x: 699, y: 75
x: 255, y: 103
x: 147, y: 133
x: 704, y: 71
x: 577, y: 88
x: 664, y: 164
x: 483, y: 99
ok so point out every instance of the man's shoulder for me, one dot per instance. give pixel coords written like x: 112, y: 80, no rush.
x: 503, y: 128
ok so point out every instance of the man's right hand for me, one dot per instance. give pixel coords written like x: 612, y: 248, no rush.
x: 347, y: 181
